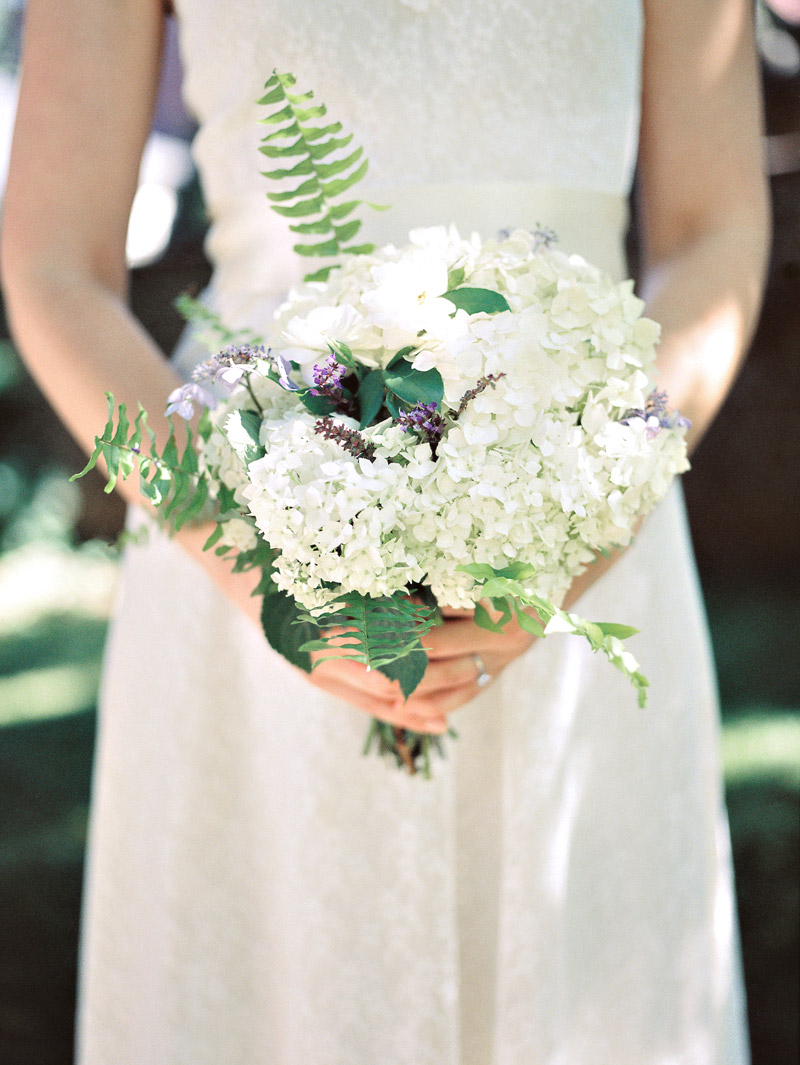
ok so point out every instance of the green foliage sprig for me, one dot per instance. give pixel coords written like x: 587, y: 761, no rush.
x: 506, y: 591
x: 314, y: 200
x: 170, y: 480
x: 383, y: 633
x: 212, y: 332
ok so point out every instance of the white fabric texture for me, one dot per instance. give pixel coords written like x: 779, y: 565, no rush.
x: 258, y: 893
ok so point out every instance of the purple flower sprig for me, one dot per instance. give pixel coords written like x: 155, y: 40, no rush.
x: 228, y: 366
x: 328, y: 377
x: 482, y: 384
x: 181, y: 400
x: 544, y: 238
x: 425, y: 419
x: 656, y: 407
x: 350, y: 439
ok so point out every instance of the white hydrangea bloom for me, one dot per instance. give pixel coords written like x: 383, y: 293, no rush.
x: 552, y: 458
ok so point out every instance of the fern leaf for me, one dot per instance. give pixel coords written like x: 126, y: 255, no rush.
x: 308, y: 188
x: 302, y: 208
x: 303, y: 134
x: 302, y: 168
x: 319, y: 151
x: 317, y: 133
x: 322, y: 225
x: 330, y: 189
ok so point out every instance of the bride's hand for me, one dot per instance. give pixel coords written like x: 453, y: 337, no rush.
x: 463, y: 658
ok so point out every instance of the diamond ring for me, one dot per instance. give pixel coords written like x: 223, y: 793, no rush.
x: 484, y: 676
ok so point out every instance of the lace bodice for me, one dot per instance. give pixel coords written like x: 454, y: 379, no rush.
x: 570, y: 122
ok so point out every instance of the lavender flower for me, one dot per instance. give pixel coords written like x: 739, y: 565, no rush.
x: 181, y: 400
x: 328, y: 377
x: 426, y: 420
x: 656, y: 407
x: 470, y: 394
x: 228, y: 366
x: 544, y: 238
x: 350, y: 439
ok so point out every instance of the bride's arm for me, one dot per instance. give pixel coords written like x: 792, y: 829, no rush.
x: 703, y: 197
x: 90, y: 72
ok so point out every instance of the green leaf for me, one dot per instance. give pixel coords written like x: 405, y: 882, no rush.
x: 526, y: 622
x: 380, y: 631
x: 300, y: 136
x: 326, y: 248
x: 455, y: 277
x: 477, y: 300
x: 213, y: 538
x: 322, y: 225
x: 347, y: 231
x: 308, y: 188
x: 485, y: 620
x: 415, y: 386
x: 330, y: 170
x: 503, y: 606
x: 320, y: 150
x: 299, y: 170
x: 622, y: 632
x: 409, y: 670
x: 284, y: 115
x: 315, y: 133
x: 302, y: 209
x: 283, y: 151
x: 359, y: 249
x: 370, y: 397
x: 319, y: 275
x: 337, y: 211
x: 195, y: 505
x: 479, y: 570
x: 318, y: 405
x: 273, y: 97
x: 287, y: 628
x: 306, y: 114
x: 337, y: 187
x: 402, y: 354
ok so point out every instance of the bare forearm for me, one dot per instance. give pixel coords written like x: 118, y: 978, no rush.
x: 79, y: 341
x: 706, y: 298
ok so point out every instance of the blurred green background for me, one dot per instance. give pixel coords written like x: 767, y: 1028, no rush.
x: 57, y: 579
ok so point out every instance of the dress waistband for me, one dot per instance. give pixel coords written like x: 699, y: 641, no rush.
x: 586, y: 222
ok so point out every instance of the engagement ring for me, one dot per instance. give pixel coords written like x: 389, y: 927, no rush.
x: 484, y: 676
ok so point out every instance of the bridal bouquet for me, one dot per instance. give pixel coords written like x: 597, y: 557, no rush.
x: 453, y: 423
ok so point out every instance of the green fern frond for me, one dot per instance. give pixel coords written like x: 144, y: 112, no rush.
x: 505, y: 589
x: 382, y: 633
x: 171, y: 481
x: 303, y: 136
x: 212, y: 332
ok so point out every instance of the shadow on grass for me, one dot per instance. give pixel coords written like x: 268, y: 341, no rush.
x: 765, y: 832
x: 45, y: 769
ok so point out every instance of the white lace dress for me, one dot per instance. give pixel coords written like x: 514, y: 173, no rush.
x: 260, y: 894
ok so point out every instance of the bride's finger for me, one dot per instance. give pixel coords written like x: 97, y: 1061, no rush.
x: 458, y: 671
x: 395, y: 711
x: 443, y: 703
x: 371, y: 682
